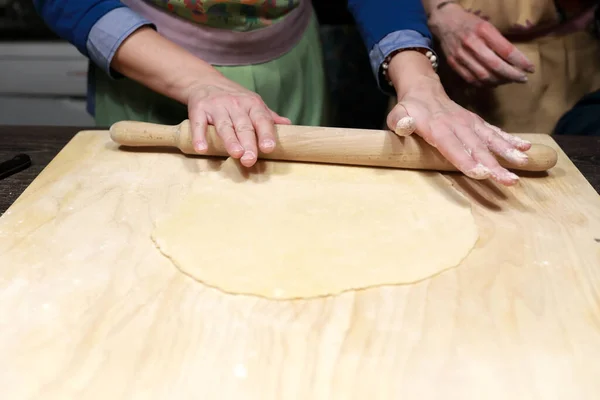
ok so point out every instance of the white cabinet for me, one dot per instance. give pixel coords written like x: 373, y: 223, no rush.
x: 42, y: 83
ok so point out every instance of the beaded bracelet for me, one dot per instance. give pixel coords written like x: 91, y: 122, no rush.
x: 386, y: 63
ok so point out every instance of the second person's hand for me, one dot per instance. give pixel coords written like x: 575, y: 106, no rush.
x: 476, y: 50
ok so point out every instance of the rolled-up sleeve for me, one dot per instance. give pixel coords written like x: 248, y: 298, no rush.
x: 72, y: 20
x: 109, y: 32
x: 389, y: 25
x: 394, y: 41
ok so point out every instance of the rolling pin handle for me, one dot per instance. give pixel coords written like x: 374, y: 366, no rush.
x: 144, y: 134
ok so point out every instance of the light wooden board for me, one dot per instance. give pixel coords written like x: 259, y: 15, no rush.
x: 89, y: 309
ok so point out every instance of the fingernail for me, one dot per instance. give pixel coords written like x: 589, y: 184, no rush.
x: 531, y: 69
x: 405, y: 126
x: 236, y: 148
x: 517, y: 141
x: 248, y: 156
x: 523, y: 79
x: 268, y: 144
x: 480, y: 171
x: 200, y: 146
x: 516, y: 156
x: 505, y: 178
x: 505, y: 175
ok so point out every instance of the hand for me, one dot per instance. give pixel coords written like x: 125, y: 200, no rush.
x: 459, y: 135
x: 476, y: 50
x: 240, y: 117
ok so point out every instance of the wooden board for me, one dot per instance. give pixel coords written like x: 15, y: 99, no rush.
x: 90, y: 309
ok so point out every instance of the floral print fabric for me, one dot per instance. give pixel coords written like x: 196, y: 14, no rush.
x: 237, y: 15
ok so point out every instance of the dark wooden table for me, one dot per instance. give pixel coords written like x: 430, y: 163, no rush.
x: 43, y: 143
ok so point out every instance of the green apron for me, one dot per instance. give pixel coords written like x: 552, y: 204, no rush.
x: 292, y: 85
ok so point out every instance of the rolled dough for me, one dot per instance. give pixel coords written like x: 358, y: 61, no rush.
x: 291, y: 230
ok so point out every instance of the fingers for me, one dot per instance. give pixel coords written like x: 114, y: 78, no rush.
x: 451, y: 147
x: 278, y: 119
x: 481, y: 154
x: 500, y: 146
x: 516, y: 141
x: 492, y: 62
x: 470, y: 153
x: 474, y: 66
x: 463, y: 71
x: 220, y: 118
x: 400, y: 122
x: 265, y: 130
x: 518, y: 59
x: 240, y: 128
x: 239, y: 116
x: 244, y: 130
x: 198, y: 122
x: 498, y: 43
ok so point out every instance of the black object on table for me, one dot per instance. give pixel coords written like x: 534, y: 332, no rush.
x: 16, y: 164
x: 42, y: 144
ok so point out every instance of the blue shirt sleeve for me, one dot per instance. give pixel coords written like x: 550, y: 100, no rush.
x: 378, y: 18
x: 389, y: 25
x: 73, y: 20
x: 394, y: 41
x: 109, y: 32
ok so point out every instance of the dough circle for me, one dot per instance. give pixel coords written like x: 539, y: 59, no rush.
x: 292, y: 230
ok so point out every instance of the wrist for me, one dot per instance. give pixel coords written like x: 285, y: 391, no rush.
x: 439, y: 5
x: 186, y: 84
x: 409, y: 69
x: 443, y: 12
x: 440, y: 20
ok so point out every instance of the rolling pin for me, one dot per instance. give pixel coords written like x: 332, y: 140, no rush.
x: 377, y: 148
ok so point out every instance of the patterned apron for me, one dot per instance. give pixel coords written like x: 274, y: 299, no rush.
x: 238, y: 15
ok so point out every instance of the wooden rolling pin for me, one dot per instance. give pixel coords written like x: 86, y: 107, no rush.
x: 376, y: 148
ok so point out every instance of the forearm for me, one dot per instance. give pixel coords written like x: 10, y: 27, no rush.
x: 155, y: 62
